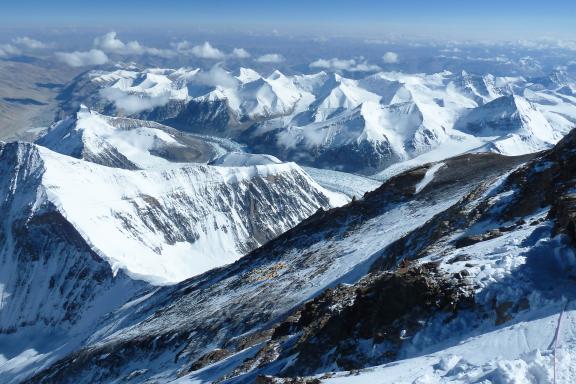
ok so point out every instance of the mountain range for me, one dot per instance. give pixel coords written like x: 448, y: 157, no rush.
x: 328, y: 121
x: 192, y: 226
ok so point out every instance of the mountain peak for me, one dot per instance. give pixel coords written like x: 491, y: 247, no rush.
x: 276, y: 75
x: 246, y: 75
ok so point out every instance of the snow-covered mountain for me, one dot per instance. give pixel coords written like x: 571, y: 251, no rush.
x: 458, y: 271
x: 116, y: 183
x: 516, y: 124
x: 330, y: 121
x: 242, y: 159
x: 122, y: 142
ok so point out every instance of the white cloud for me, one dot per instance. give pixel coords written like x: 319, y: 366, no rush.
x: 81, y: 59
x: 377, y: 41
x: 350, y: 65
x: 270, y: 58
x: 390, y: 57
x: 451, y: 50
x: 365, y: 67
x: 112, y: 44
x: 217, y: 76
x: 29, y: 43
x: 334, y: 64
x: 207, y: 51
x: 130, y: 103
x: 181, y: 45
x: 9, y: 50
x: 547, y: 43
x: 240, y: 53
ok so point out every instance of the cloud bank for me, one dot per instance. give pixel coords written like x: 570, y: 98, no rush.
x: 29, y: 43
x: 110, y: 43
x: 9, y: 50
x: 82, y: 59
x: 350, y: 65
x: 271, y: 58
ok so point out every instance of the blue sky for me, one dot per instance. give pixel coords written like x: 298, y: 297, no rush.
x: 464, y: 18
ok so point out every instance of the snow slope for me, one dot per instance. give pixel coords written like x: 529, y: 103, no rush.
x: 533, y: 346
x: 346, y: 183
x: 242, y: 159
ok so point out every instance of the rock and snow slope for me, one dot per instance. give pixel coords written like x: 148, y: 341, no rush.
x: 518, y: 254
x: 233, y: 311
x: 481, y: 246
x: 329, y: 121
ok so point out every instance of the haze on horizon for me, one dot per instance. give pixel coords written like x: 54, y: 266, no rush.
x: 489, y: 19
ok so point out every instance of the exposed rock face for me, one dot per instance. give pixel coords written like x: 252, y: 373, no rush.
x: 352, y: 327
x: 565, y: 214
x: 213, y: 118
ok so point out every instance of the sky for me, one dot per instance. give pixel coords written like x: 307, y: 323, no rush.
x: 440, y: 18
